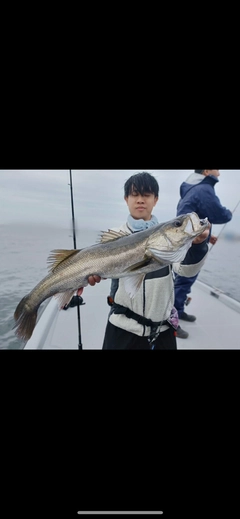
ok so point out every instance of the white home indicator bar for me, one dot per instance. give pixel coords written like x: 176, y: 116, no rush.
x: 120, y: 513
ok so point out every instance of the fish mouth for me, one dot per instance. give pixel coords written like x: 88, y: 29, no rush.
x: 194, y: 224
x: 204, y: 221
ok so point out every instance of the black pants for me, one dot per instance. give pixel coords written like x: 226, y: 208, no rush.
x: 118, y: 339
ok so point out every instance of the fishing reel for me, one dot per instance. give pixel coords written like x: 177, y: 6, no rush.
x: 75, y: 301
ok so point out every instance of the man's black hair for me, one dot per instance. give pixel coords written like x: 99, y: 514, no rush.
x: 142, y: 183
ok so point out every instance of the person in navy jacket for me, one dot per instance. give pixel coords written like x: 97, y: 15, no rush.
x: 198, y: 195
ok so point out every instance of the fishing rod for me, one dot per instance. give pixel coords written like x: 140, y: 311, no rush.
x: 188, y: 299
x: 75, y: 247
x: 225, y: 224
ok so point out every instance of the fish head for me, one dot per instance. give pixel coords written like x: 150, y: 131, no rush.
x: 185, y: 228
x: 172, y: 239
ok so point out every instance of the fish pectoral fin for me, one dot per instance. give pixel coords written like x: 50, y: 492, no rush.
x: 111, y: 235
x: 132, y: 284
x: 58, y: 256
x: 138, y: 265
x: 64, y: 298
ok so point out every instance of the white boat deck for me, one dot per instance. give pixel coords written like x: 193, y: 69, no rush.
x: 218, y: 320
x: 217, y: 325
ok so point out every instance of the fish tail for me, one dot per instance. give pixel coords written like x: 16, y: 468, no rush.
x: 25, y: 317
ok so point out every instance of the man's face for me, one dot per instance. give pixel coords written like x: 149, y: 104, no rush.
x: 213, y: 172
x: 141, y: 206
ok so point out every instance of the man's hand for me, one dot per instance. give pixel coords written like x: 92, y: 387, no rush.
x: 213, y: 239
x: 202, y: 237
x: 92, y: 280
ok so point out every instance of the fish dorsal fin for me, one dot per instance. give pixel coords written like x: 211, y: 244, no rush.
x: 111, y: 235
x: 57, y: 258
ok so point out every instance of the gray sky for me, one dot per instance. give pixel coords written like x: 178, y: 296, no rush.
x: 43, y: 196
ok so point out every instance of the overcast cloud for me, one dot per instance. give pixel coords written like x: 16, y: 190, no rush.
x: 43, y: 196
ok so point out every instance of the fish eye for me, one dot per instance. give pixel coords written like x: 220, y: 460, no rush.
x: 178, y: 223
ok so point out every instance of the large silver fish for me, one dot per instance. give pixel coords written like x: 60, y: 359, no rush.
x: 118, y: 254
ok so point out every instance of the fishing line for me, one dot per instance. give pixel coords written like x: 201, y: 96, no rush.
x: 224, y: 226
x: 75, y: 247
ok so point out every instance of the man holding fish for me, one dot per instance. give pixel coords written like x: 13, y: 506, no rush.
x: 148, y: 320
x: 139, y: 258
